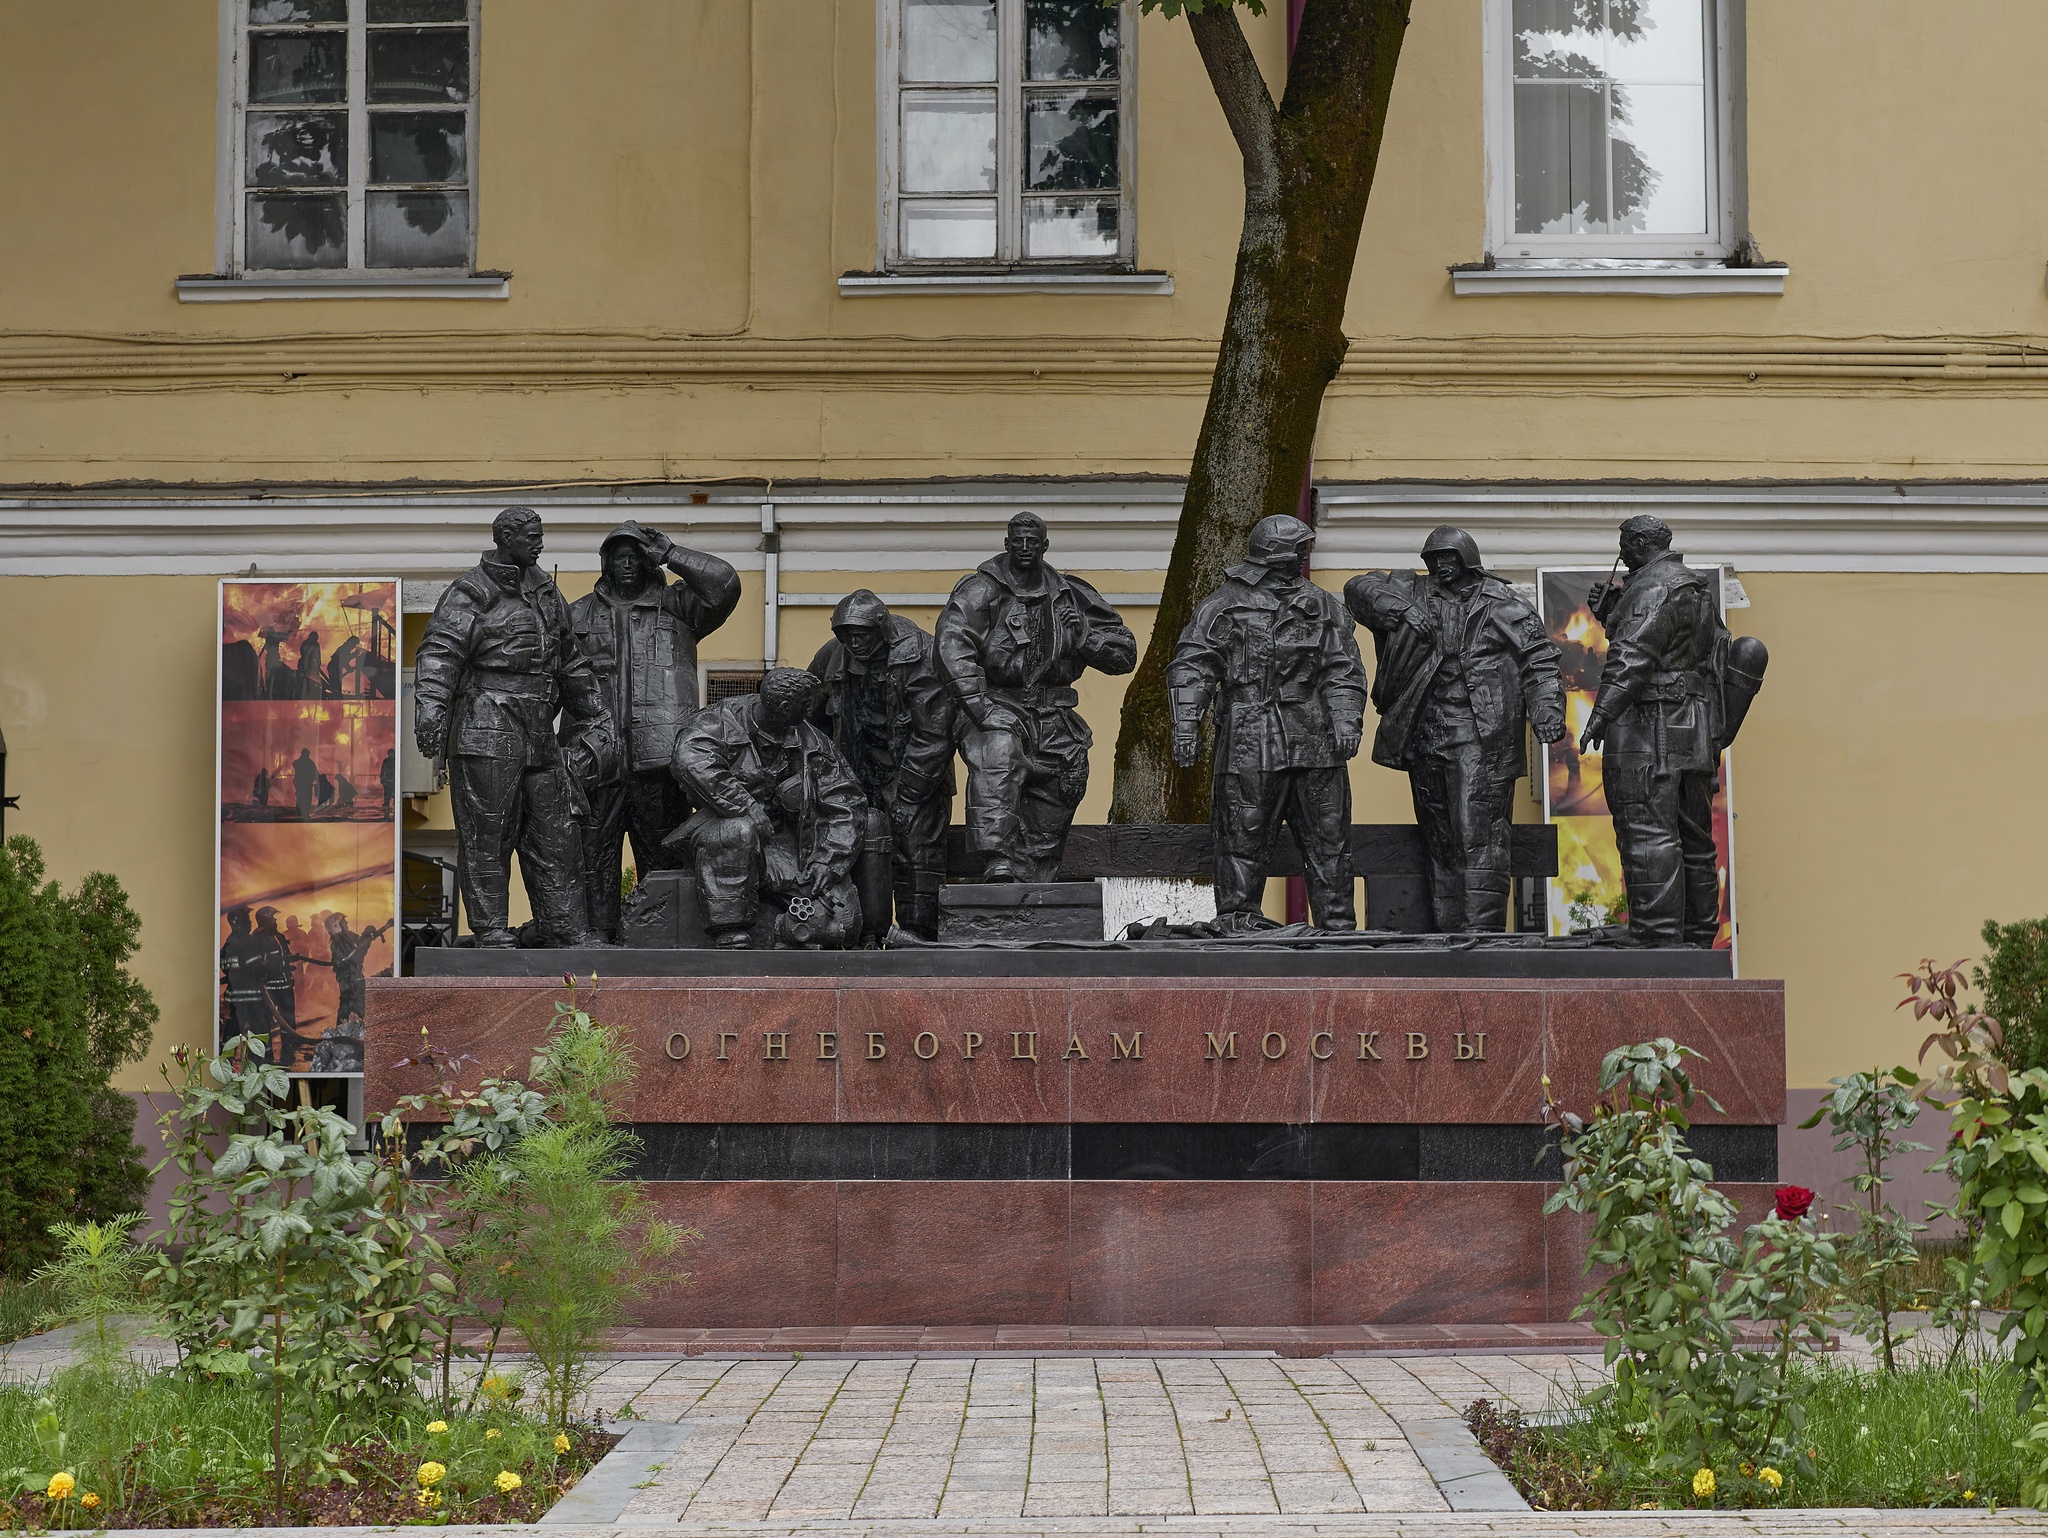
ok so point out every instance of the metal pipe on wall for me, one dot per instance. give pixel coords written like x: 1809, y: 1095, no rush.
x: 771, y: 573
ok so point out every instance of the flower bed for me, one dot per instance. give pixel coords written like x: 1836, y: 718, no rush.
x: 164, y: 1453
x: 1929, y: 1435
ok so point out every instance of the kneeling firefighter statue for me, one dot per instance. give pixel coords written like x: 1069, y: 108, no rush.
x: 1673, y: 694
x: 781, y: 817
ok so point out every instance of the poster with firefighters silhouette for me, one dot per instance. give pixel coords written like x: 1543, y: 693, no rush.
x: 1587, y: 891
x: 307, y: 797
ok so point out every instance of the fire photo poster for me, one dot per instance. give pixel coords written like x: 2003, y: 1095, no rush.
x: 1587, y: 890
x: 306, y: 799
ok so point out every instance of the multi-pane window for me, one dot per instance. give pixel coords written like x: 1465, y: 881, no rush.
x: 358, y: 123
x: 1005, y: 131
x: 1616, y: 127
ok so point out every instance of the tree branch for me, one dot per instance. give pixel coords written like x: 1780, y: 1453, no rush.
x: 1242, y: 91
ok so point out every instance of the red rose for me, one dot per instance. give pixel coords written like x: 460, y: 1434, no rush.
x: 1793, y: 1202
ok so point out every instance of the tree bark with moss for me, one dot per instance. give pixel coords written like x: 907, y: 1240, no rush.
x: 1308, y: 170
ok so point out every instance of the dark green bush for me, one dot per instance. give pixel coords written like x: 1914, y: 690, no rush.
x: 70, y: 1014
x: 2013, y: 980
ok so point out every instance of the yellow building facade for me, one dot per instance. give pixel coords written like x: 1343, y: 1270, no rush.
x: 738, y: 268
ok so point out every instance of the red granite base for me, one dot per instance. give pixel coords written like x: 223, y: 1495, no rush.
x: 1136, y: 1256
x: 1139, y: 1254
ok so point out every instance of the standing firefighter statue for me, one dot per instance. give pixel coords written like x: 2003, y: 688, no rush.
x: 499, y: 659
x: 1673, y: 694
x: 640, y: 634
x: 779, y: 816
x: 892, y: 720
x: 1274, y: 653
x: 1463, y: 663
x: 1011, y: 641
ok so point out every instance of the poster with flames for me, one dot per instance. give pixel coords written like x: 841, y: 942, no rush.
x: 306, y: 869
x: 1587, y: 890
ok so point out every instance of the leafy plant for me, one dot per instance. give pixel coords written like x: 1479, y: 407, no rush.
x: 2013, y: 980
x: 564, y: 1244
x: 1866, y: 1112
x: 1659, y: 1238
x: 70, y: 1015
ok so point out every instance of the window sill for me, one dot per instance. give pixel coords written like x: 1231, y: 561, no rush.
x: 217, y: 290
x: 1656, y: 279
x: 857, y: 285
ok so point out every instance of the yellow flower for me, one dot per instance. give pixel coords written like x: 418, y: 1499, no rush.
x: 506, y: 1480
x: 437, y: 1427
x: 88, y: 1500
x: 561, y: 1442
x: 1703, y: 1483
x: 494, y: 1387
x: 430, y: 1498
x: 491, y: 1435
x: 1771, y: 1477
x: 432, y: 1474
x: 61, y: 1485
x: 1969, y: 1495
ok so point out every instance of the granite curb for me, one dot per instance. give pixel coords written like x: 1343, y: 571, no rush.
x: 1467, y: 1478
x: 602, y: 1495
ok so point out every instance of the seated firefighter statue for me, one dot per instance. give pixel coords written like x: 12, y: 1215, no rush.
x: 891, y: 718
x: 640, y: 633
x: 1673, y: 693
x: 1275, y: 656
x: 1011, y: 641
x: 1464, y: 661
x: 498, y: 661
x: 779, y: 820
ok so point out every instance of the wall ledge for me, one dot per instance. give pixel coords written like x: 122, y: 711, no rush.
x: 219, y: 290
x: 1651, y: 279
x: 860, y: 285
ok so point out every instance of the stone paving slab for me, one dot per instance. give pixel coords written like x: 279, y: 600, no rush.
x: 1834, y: 1523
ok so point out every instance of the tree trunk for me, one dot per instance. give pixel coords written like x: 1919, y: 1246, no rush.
x: 1308, y: 169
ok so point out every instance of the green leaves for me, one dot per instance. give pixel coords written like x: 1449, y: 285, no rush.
x: 1172, y: 8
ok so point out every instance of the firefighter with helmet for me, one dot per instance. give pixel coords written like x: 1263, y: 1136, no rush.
x: 1273, y: 655
x: 1464, y: 663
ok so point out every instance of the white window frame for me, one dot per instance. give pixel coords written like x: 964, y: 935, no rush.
x: 1721, y: 21
x: 232, y: 164
x: 1010, y: 94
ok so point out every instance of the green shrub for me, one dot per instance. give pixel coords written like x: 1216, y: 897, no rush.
x: 1866, y: 1112
x: 561, y: 1245
x: 2013, y: 980
x: 70, y: 1015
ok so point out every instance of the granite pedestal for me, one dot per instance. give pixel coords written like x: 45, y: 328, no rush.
x: 1103, y: 1137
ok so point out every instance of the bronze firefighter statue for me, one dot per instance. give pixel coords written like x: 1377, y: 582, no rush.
x: 1463, y: 663
x: 1275, y: 656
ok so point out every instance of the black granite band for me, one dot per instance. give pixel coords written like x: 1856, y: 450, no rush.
x: 1140, y: 1151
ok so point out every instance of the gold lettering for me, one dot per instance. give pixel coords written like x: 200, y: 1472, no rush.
x: 674, y: 1037
x: 1074, y: 1049
x: 917, y: 1046
x: 1118, y: 1047
x: 1366, y: 1052
x: 723, y: 1038
x: 828, y: 1046
x: 1322, y: 1036
x: 1471, y: 1051
x: 775, y: 1046
x: 1418, y: 1045
x: 1017, y: 1051
x: 877, y: 1047
x: 973, y: 1040
x: 1266, y: 1046
x: 1227, y: 1047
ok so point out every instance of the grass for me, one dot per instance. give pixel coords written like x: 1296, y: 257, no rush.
x: 158, y: 1450
x: 21, y: 1304
x: 1924, y: 1436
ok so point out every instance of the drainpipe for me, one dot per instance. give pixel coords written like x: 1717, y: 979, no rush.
x: 1305, y: 509
x: 771, y: 572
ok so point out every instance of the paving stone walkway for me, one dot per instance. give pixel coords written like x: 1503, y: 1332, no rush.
x: 976, y: 1438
